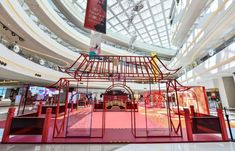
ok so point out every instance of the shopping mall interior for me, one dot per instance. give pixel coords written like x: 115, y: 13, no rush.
x: 123, y: 75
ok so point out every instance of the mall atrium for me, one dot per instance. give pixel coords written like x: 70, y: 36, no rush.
x: 123, y: 75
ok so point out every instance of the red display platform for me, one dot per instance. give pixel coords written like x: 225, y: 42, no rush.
x: 143, y: 123
x: 117, y: 129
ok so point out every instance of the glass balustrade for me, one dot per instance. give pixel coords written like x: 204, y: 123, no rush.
x: 33, y: 58
x: 82, y: 31
x: 46, y: 30
x: 206, y: 57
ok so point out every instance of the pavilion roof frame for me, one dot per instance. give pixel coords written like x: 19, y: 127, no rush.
x: 119, y: 68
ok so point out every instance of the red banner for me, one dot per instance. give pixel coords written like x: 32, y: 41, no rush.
x: 96, y: 15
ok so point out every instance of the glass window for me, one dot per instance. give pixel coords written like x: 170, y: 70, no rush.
x: 2, y: 92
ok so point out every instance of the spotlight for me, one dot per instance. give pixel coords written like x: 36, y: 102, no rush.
x: 211, y: 52
x: 42, y: 62
x: 13, y: 34
x: 16, y: 49
x: 31, y: 58
x: 5, y: 27
x: 21, y: 39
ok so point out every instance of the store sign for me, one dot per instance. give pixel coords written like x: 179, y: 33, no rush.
x: 95, y: 18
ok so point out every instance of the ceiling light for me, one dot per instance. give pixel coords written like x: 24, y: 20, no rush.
x: 42, y: 62
x: 16, y: 49
x: 5, y: 27
x: 21, y: 39
x: 211, y: 52
x: 13, y: 34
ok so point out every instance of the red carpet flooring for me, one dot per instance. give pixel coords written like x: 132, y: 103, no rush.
x: 117, y: 128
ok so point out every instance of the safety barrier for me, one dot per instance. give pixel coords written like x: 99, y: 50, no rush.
x: 229, y: 115
x: 61, y: 108
x: 198, y: 123
x: 27, y: 125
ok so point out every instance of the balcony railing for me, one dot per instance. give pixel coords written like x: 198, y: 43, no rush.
x: 46, y: 30
x: 31, y: 57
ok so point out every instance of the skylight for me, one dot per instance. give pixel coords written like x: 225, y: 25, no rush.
x: 151, y: 24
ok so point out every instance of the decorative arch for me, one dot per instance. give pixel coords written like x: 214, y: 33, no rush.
x: 121, y: 85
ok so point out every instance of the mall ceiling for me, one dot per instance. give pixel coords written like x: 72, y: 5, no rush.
x: 151, y: 24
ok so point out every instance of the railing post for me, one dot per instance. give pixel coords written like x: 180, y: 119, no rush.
x: 10, y: 115
x: 222, y: 124
x: 46, y: 125
x: 76, y: 104
x: 192, y: 111
x: 71, y: 106
x: 188, y: 124
x: 39, y: 110
x: 229, y: 126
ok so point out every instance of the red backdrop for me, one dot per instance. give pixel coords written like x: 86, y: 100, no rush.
x: 195, y: 96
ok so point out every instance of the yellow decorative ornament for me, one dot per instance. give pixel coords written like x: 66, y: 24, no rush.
x: 154, y: 64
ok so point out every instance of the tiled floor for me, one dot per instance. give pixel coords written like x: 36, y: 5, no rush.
x: 123, y: 147
x: 179, y: 147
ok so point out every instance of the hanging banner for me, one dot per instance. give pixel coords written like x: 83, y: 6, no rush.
x: 95, y: 18
x: 95, y: 44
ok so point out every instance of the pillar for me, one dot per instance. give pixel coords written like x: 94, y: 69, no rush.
x: 222, y: 125
x: 46, y: 125
x: 192, y: 111
x: 229, y: 86
x: 188, y: 124
x: 234, y: 76
x: 222, y: 93
x: 39, y: 110
x: 10, y: 115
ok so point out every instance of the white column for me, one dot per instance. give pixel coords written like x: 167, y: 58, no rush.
x: 222, y: 92
x: 234, y: 77
x: 229, y: 86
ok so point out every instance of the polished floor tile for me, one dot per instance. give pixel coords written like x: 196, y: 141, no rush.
x: 179, y: 147
x: 122, y: 147
x: 60, y: 147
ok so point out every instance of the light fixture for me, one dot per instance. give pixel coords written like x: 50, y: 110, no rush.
x: 211, y: 52
x: 5, y: 27
x: 21, y: 39
x: 31, y: 58
x: 16, y: 48
x: 42, y: 62
x: 38, y: 75
x: 13, y: 34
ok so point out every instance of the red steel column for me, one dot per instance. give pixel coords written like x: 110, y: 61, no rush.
x: 222, y: 124
x: 188, y: 124
x: 46, y: 125
x: 39, y: 110
x: 192, y: 111
x: 10, y: 115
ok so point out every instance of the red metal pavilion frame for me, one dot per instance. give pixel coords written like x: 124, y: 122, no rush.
x: 118, y: 70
